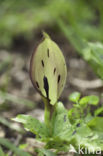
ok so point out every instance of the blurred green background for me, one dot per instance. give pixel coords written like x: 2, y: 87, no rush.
x: 23, y: 17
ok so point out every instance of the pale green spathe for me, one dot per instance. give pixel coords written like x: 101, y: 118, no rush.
x: 48, y: 69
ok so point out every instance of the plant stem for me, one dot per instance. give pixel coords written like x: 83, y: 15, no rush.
x: 48, y: 113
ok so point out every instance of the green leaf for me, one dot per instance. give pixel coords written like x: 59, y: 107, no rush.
x: 96, y: 124
x: 58, y: 143
x: 86, y: 138
x: 71, y: 112
x: 33, y: 125
x: 65, y: 133
x: 84, y: 131
x: 74, y: 97
x: 98, y: 111
x: 60, y: 121
x: 1, y: 152
x: 74, y: 114
x: 62, y: 129
x: 88, y: 118
x: 92, y: 100
x: 6, y: 143
x: 84, y: 101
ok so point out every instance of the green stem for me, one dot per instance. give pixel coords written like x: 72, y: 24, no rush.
x: 48, y: 113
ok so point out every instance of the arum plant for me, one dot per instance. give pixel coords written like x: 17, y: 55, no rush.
x: 61, y: 128
x: 48, y: 74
